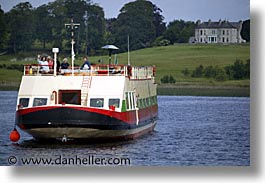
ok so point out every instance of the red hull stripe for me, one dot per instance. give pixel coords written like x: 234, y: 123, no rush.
x: 128, y: 117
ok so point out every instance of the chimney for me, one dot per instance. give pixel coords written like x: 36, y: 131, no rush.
x: 209, y: 21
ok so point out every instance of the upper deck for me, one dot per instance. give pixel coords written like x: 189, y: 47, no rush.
x: 132, y: 72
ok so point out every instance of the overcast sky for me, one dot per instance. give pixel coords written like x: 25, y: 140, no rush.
x: 232, y: 10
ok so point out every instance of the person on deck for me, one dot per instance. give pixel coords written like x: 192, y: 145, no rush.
x: 44, y: 64
x: 64, y: 65
x: 50, y: 62
x: 86, y: 65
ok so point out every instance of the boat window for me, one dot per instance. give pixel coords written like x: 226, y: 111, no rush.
x: 130, y: 99
x: 96, y: 102
x: 39, y: 101
x: 140, y: 103
x: 24, y: 102
x: 148, y: 101
x: 70, y: 97
x: 127, y: 100
x: 115, y: 102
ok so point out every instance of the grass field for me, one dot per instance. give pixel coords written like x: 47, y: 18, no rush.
x: 169, y: 60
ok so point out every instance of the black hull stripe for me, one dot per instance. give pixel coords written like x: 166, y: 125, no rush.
x: 72, y: 118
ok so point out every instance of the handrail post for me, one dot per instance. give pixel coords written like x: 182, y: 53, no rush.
x: 55, y: 51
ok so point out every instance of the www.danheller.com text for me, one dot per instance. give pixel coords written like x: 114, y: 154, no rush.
x: 60, y: 160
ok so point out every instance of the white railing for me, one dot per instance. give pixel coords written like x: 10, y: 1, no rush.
x: 132, y: 72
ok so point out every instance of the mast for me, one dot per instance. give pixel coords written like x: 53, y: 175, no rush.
x: 72, y: 26
x: 128, y: 41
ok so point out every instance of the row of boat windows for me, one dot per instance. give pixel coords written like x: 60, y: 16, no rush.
x: 99, y: 102
x: 24, y: 102
x: 132, y: 102
x: 146, y: 102
x: 94, y: 102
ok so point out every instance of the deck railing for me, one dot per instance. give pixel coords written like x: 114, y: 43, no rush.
x: 133, y: 72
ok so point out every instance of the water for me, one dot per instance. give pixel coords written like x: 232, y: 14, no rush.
x: 191, y: 131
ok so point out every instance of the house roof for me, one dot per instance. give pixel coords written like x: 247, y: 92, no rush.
x: 220, y: 24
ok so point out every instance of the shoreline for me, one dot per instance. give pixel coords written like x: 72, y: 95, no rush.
x: 204, y: 90
x: 178, y: 90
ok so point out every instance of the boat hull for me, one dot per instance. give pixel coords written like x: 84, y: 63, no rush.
x: 56, y: 122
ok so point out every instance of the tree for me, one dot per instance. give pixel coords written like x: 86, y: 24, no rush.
x: 21, y: 27
x: 245, y: 32
x: 179, y: 31
x: 3, y: 30
x: 43, y: 24
x: 142, y: 21
x: 96, y: 28
x: 90, y: 34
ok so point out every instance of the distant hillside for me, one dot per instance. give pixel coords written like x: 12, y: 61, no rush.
x: 169, y: 60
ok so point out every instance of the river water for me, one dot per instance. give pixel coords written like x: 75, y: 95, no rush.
x: 190, y: 131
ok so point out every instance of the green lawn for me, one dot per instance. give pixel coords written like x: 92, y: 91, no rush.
x: 169, y: 60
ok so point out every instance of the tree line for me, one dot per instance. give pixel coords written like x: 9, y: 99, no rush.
x: 25, y: 28
x: 239, y: 70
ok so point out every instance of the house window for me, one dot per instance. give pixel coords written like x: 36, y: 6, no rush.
x: 201, y: 40
x: 223, y: 39
x: 204, y: 32
x: 213, y: 31
x: 201, y: 32
x: 227, y: 40
x: 227, y: 32
x: 223, y: 32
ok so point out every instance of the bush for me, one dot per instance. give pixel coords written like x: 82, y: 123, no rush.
x: 15, y: 67
x: 247, y: 69
x: 210, y: 72
x: 185, y: 72
x: 198, y: 72
x: 168, y: 79
x: 238, y: 70
x: 229, y: 72
x: 220, y: 74
x: 160, y: 41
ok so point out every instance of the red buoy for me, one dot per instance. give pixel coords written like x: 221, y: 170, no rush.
x: 14, y: 135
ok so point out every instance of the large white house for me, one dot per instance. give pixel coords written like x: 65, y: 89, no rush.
x: 218, y: 32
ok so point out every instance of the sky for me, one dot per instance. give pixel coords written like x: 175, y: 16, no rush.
x: 193, y: 10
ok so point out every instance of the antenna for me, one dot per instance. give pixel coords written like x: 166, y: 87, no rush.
x: 129, y: 62
x: 72, y: 26
x: 86, y: 24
